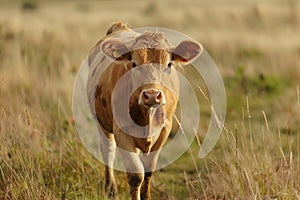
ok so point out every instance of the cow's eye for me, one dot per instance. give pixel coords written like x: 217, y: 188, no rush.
x: 168, y: 69
x: 133, y: 65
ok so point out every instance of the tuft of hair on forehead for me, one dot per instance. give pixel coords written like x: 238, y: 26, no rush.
x: 117, y: 26
x: 151, y: 40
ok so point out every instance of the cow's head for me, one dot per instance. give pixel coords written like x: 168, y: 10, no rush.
x: 152, y: 61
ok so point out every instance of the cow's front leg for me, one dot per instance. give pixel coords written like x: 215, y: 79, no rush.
x: 145, y: 189
x: 132, y: 163
x: 149, y: 163
x: 135, y: 181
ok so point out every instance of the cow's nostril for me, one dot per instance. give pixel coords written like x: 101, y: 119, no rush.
x: 159, y: 96
x: 145, y: 96
x: 152, y: 97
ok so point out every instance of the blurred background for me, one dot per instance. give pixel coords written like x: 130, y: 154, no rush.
x: 256, y: 45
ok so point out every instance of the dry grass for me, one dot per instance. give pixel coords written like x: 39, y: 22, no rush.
x: 256, y: 45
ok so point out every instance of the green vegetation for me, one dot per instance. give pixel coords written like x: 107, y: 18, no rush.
x: 29, y: 5
x: 256, y: 46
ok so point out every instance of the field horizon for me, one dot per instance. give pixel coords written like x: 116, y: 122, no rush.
x: 256, y: 46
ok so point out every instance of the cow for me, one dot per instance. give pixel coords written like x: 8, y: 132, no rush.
x: 149, y: 57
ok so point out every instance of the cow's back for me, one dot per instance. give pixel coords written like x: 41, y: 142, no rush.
x: 103, y: 76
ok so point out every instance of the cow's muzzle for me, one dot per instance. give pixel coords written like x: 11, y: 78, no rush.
x: 152, y: 98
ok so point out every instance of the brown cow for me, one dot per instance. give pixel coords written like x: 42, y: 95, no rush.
x: 151, y: 61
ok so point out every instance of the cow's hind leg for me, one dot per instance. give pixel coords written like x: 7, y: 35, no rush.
x: 108, y: 150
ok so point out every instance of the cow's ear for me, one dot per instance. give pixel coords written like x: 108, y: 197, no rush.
x: 186, y: 52
x: 115, y: 49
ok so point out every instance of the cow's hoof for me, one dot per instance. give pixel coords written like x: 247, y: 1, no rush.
x: 145, y: 197
x: 111, y: 191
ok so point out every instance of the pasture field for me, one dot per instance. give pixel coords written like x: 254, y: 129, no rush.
x: 256, y: 45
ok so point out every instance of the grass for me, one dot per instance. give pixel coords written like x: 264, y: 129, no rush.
x: 256, y: 46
